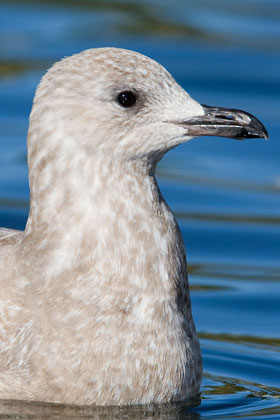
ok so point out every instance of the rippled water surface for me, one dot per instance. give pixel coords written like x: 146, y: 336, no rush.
x: 225, y: 193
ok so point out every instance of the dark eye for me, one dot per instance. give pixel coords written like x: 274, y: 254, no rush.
x: 126, y: 99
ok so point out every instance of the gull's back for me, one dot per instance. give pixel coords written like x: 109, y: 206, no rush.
x: 9, y: 236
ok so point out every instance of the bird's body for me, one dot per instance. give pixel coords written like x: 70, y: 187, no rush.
x: 87, y: 331
x: 94, y: 300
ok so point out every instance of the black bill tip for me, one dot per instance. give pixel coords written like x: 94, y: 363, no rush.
x: 241, y: 124
x: 225, y: 122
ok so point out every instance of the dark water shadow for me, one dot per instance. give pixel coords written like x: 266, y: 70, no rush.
x: 242, y: 339
x: 237, y: 272
x: 13, y: 409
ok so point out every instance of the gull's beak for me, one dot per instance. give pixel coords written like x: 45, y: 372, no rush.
x: 224, y: 122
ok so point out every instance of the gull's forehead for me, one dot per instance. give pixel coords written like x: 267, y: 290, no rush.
x: 118, y: 65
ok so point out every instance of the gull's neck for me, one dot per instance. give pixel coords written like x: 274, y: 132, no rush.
x: 101, y: 216
x: 80, y: 191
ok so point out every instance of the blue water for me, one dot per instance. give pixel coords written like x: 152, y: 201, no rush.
x: 225, y: 193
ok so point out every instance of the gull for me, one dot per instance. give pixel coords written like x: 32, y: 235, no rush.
x: 94, y: 297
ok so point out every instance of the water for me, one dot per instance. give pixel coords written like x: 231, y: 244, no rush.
x: 225, y: 193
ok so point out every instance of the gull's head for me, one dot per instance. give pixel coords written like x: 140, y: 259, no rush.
x: 125, y: 105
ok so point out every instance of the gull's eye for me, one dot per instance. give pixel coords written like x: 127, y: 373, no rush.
x: 126, y: 99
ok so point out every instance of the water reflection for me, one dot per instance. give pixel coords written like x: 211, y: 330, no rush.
x: 218, y: 22
x: 33, y: 410
x: 246, y: 400
x: 234, y: 271
x: 13, y: 68
x: 273, y: 343
x: 216, y: 182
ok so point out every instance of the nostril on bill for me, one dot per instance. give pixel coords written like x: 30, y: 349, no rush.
x: 225, y: 117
